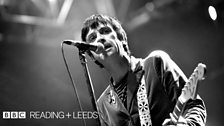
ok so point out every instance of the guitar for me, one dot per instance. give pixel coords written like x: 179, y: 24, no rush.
x: 189, y: 91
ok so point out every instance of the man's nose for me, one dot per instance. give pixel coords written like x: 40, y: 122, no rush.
x: 102, y: 40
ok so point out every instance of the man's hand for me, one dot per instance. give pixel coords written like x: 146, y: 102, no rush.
x: 173, y: 122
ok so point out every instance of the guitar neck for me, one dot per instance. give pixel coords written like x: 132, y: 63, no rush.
x: 180, y: 104
x: 178, y: 109
x: 190, y: 90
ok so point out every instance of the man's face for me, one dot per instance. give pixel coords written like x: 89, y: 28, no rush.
x: 105, y: 35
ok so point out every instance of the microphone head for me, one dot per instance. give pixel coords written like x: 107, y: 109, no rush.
x: 68, y: 42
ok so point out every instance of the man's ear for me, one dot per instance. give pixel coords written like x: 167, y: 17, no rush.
x: 125, y: 46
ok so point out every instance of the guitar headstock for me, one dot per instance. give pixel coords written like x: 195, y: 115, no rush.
x: 190, y: 89
x: 201, y: 70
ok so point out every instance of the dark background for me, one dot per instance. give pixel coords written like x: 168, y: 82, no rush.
x: 32, y: 71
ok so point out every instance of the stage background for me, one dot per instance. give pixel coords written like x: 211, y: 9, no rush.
x: 33, y: 75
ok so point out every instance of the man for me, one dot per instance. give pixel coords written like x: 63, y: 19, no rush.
x: 141, y: 91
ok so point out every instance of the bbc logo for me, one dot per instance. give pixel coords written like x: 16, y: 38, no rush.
x: 14, y: 115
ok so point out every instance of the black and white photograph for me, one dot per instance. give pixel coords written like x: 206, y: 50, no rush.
x: 111, y: 62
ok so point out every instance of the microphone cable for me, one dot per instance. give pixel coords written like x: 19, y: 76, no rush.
x: 71, y: 79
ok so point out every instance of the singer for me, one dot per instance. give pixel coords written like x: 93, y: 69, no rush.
x: 142, y: 91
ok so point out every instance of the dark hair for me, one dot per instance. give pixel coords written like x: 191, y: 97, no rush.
x: 93, y: 22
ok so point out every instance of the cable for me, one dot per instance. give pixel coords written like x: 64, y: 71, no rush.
x: 70, y: 76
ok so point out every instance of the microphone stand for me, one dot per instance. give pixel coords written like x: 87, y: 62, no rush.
x: 83, y: 61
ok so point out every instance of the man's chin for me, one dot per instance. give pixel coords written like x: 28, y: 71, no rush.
x: 105, y: 55
x: 110, y: 51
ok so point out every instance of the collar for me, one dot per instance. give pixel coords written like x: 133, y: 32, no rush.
x: 137, y: 68
x: 132, y: 79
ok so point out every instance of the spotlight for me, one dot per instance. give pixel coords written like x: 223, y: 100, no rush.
x: 212, y: 13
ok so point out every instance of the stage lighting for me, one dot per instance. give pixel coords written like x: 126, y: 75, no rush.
x: 212, y: 13
x: 36, y: 12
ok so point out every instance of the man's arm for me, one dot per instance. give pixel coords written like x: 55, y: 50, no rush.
x: 173, y: 80
x: 195, y: 112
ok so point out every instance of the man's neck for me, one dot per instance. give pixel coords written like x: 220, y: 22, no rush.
x: 119, y: 69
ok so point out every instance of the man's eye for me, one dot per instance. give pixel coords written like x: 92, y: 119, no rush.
x: 105, y: 30
x: 92, y: 37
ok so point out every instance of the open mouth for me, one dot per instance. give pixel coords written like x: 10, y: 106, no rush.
x: 107, y: 46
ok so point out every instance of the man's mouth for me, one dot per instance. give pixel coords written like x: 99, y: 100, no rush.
x: 107, y: 46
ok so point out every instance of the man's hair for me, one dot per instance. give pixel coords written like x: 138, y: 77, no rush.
x: 93, y: 22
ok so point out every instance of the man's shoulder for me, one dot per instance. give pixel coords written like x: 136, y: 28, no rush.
x: 157, y: 54
x: 156, y: 57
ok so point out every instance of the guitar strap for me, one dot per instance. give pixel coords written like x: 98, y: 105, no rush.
x: 143, y: 104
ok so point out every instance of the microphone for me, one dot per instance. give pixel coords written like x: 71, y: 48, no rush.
x: 97, y: 48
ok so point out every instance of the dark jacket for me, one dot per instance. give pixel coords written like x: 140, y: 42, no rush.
x: 164, y: 82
